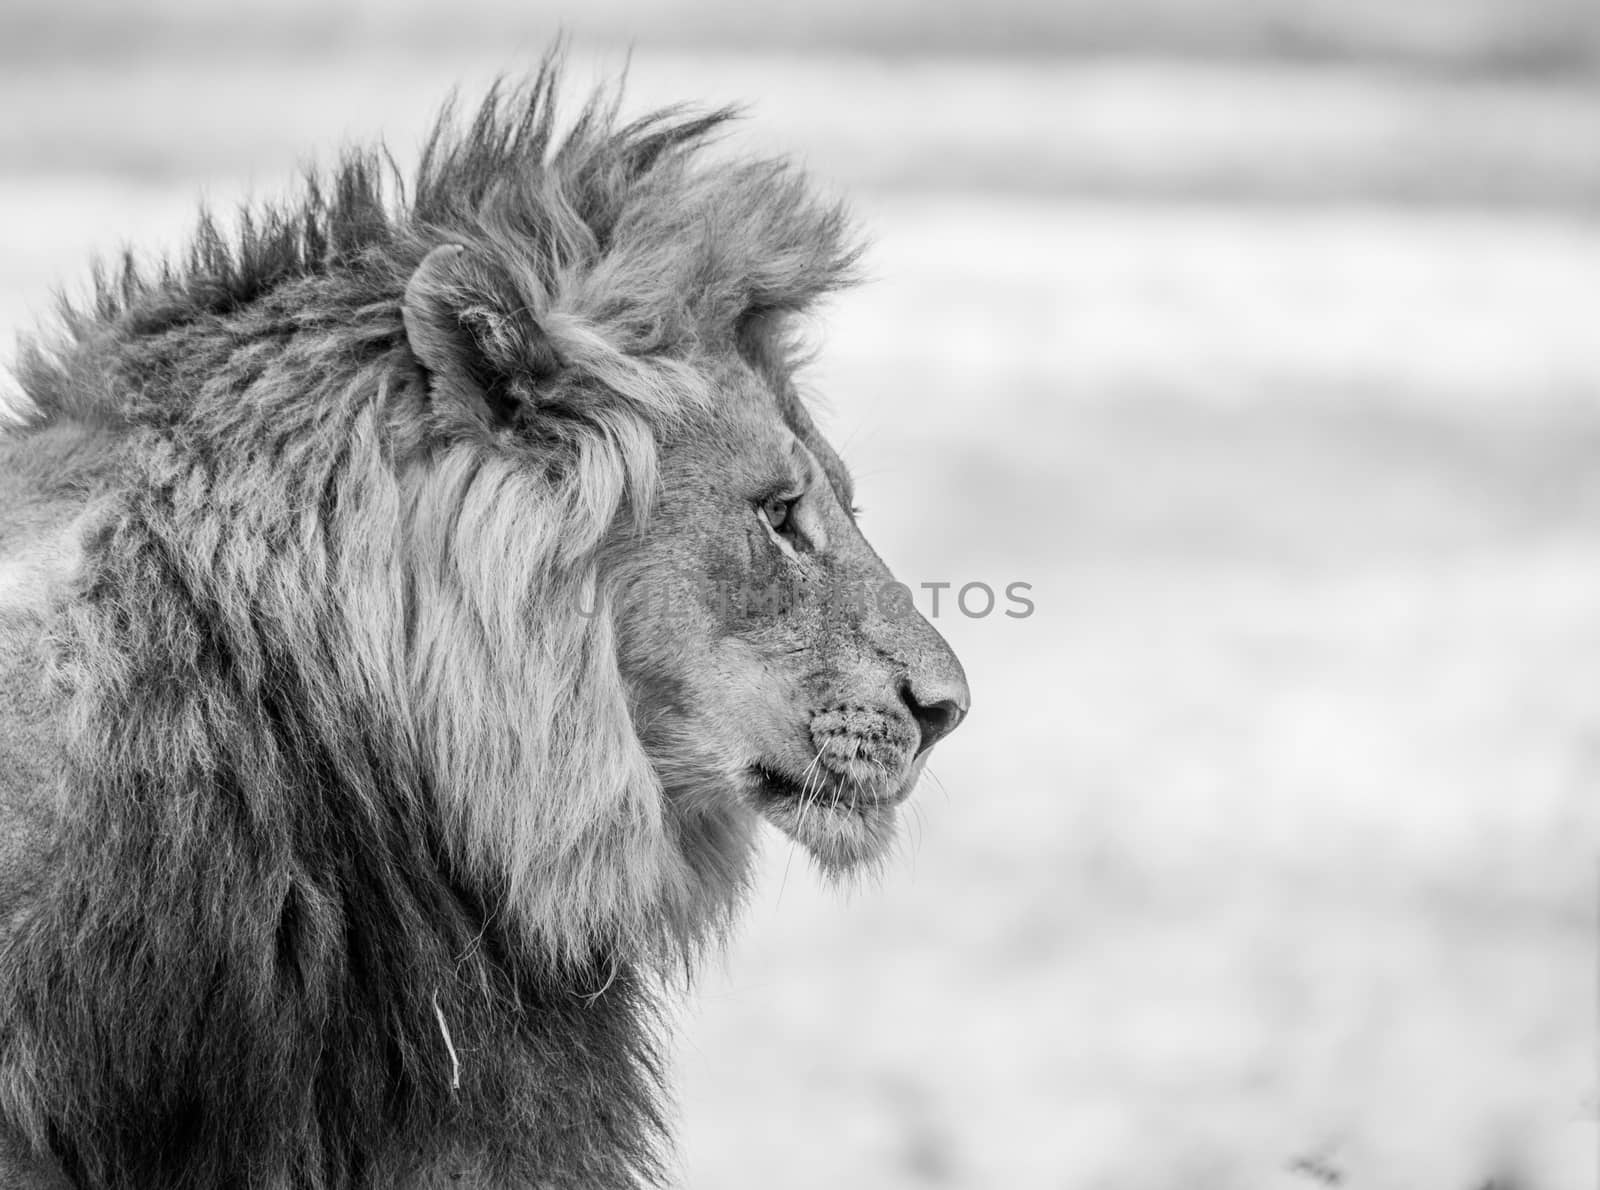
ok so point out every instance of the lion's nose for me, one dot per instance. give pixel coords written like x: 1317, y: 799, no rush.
x: 938, y: 708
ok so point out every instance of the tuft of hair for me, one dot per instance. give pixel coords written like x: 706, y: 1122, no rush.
x: 346, y: 729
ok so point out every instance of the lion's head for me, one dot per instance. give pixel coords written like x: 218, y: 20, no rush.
x: 610, y: 339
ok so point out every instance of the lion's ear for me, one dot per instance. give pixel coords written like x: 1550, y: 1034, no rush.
x: 469, y: 329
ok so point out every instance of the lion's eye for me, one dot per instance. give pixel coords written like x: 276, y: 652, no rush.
x: 777, y: 512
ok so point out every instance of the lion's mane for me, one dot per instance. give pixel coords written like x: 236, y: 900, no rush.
x: 362, y: 868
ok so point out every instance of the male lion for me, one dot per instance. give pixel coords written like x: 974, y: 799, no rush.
x: 408, y: 612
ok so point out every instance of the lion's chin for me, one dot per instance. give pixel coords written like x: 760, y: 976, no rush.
x: 842, y: 833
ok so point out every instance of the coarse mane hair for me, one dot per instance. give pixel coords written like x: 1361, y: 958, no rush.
x: 362, y: 865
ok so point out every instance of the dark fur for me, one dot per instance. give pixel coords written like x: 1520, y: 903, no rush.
x: 254, y: 936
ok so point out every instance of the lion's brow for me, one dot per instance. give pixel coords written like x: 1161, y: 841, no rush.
x: 822, y: 466
x: 814, y: 465
x: 805, y: 464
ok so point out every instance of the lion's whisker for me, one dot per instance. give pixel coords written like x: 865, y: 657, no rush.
x: 814, y: 766
x: 921, y: 827
x: 787, y: 864
x: 854, y: 780
x: 805, y: 789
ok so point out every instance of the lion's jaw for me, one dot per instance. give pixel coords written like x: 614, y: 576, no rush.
x: 842, y: 805
x: 843, y: 823
x: 836, y: 791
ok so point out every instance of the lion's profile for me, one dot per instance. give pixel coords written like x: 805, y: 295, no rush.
x: 409, y: 609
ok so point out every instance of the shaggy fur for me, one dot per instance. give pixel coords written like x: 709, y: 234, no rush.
x: 361, y: 871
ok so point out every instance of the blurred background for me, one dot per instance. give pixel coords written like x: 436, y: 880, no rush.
x: 1260, y: 338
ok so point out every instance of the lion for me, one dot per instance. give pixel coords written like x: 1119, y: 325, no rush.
x: 412, y: 604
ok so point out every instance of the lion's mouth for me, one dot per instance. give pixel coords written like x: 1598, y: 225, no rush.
x: 771, y: 784
x: 841, y: 824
